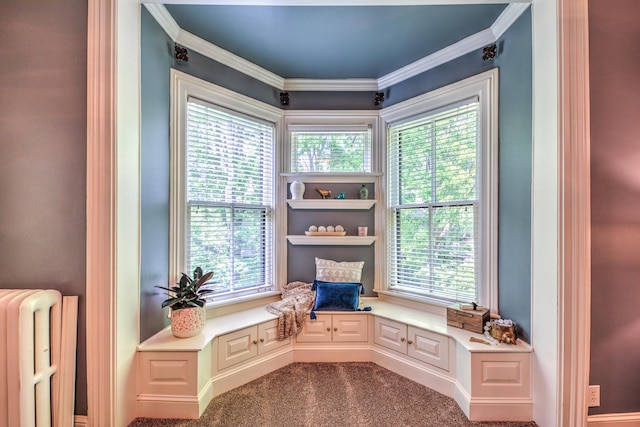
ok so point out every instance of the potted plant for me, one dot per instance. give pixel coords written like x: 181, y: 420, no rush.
x: 186, y: 301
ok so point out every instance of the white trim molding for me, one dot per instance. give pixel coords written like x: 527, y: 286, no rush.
x: 485, y: 87
x: 101, y: 252
x: 630, y: 419
x: 211, y: 51
x: 575, y: 212
x: 113, y: 200
x: 184, y: 86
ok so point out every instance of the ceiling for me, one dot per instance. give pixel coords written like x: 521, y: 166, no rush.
x: 334, y: 42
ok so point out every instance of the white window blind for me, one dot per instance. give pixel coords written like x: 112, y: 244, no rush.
x: 330, y: 149
x: 229, y: 192
x: 433, y: 203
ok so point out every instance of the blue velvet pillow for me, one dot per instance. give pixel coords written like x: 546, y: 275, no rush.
x: 337, y: 295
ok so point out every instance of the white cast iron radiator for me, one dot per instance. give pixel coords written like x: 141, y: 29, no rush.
x: 37, y: 358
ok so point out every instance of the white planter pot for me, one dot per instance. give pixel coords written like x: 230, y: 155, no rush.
x: 187, y: 322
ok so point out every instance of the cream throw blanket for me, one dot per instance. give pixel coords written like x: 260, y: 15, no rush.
x: 297, y: 302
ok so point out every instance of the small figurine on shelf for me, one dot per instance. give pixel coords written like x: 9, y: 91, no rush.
x: 324, y: 193
x: 364, y: 192
x: 340, y: 196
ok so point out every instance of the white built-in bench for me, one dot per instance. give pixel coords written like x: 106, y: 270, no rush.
x: 178, y: 377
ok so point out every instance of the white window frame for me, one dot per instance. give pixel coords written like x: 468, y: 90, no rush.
x: 484, y: 86
x: 334, y: 120
x: 184, y: 86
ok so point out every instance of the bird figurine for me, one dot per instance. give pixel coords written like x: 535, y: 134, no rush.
x: 324, y: 193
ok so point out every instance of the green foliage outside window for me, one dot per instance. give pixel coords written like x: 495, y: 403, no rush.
x: 434, y: 205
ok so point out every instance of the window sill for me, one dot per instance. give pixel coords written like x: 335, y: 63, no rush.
x: 232, y: 305
x: 414, y: 301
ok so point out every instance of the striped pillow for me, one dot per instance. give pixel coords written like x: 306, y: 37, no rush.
x: 332, y: 271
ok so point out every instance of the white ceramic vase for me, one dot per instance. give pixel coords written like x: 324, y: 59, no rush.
x: 187, y: 322
x: 297, y: 190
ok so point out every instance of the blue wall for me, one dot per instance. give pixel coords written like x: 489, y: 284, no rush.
x: 516, y: 135
x: 156, y: 59
x: 514, y: 61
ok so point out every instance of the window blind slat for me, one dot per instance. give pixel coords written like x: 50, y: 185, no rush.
x: 330, y: 149
x: 433, y: 203
x: 230, y: 176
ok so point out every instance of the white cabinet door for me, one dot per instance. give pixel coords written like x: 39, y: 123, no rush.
x: 428, y: 347
x: 390, y: 334
x: 317, y: 330
x: 268, y: 337
x: 238, y: 346
x: 350, y: 328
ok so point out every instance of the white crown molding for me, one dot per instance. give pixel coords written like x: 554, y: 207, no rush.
x: 440, y: 57
x: 456, y: 50
x: 508, y: 16
x: 229, y: 59
x: 331, y: 85
x: 164, y: 19
x: 210, y: 50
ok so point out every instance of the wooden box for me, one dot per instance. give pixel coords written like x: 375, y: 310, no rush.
x: 470, y: 320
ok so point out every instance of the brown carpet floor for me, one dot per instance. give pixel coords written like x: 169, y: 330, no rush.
x: 330, y: 395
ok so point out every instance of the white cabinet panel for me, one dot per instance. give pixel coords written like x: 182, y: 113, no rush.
x: 428, y: 347
x: 317, y: 330
x: 244, y: 344
x: 237, y: 347
x: 350, y: 328
x: 390, y: 334
x: 420, y: 344
x: 268, y: 337
x: 335, y: 328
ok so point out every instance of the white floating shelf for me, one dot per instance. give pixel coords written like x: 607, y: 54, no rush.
x: 332, y: 240
x: 361, y: 178
x: 331, y: 203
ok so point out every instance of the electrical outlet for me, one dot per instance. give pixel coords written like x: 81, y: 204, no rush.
x: 593, y: 396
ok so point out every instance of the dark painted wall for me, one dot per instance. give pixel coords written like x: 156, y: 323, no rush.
x: 514, y: 60
x: 43, y: 128
x: 615, y: 203
x: 301, y: 259
x: 156, y: 61
x: 516, y: 135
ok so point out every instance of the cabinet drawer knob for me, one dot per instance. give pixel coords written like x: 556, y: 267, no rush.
x: 261, y: 339
x: 402, y: 339
x: 335, y: 329
x: 328, y: 329
x: 255, y: 342
x: 409, y: 342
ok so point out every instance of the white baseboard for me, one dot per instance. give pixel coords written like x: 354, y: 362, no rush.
x: 630, y: 419
x: 233, y: 378
x: 169, y: 406
x: 80, y: 421
x: 416, y: 372
x: 331, y: 355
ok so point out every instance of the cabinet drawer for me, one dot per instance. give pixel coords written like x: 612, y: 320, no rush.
x: 318, y: 330
x: 428, y: 347
x: 390, y: 334
x: 237, y: 347
x: 268, y: 337
x: 335, y: 328
x: 350, y: 328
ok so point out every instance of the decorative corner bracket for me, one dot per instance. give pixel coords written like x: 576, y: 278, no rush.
x: 181, y: 53
x: 284, y: 98
x: 379, y: 98
x: 489, y: 52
